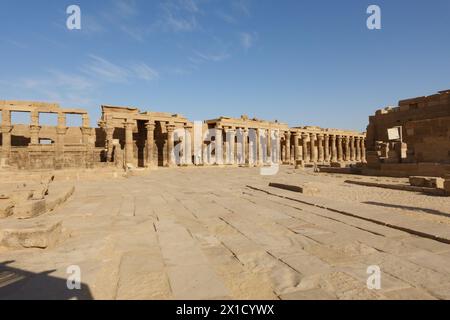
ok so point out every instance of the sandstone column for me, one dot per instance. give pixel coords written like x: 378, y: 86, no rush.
x: 109, y: 142
x: 61, y: 131
x: 363, y: 150
x: 296, y: 148
x: 34, y: 128
x: 339, y: 148
x: 352, y: 149
x: 269, y: 146
x: 170, y: 161
x: 288, y: 147
x: 313, y: 139
x: 333, y: 149
x: 327, y: 147
x: 219, y: 146
x: 320, y: 137
x: 305, y: 137
x: 358, y: 149
x: 258, y: 148
x: 245, y: 146
x: 231, y: 136
x: 346, y: 148
x: 129, y: 150
x: 188, y: 145
x: 6, y: 136
x: 150, y: 126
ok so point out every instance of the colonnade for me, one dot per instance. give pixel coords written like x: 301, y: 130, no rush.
x: 35, y: 129
x: 318, y: 147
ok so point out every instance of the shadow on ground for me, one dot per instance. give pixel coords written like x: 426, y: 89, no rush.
x: 430, y: 211
x: 18, y: 284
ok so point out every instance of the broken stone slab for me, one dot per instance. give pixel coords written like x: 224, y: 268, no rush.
x: 304, y: 189
x: 42, y: 236
x: 426, y: 190
x: 21, y: 195
x: 57, y: 198
x: 29, y: 209
x: 6, y: 208
x: 42, y: 190
x: 427, y: 182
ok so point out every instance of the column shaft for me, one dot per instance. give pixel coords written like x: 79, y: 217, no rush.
x: 327, y: 147
x: 339, y: 149
x: 305, y: 137
x: 333, y: 149
x: 320, y: 146
x: 150, y: 144
x: 296, y: 148
x: 129, y: 150
x: 288, y: 148
x: 170, y: 161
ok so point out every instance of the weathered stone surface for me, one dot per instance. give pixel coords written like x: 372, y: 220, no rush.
x: 29, y: 209
x: 427, y: 182
x: 305, y: 188
x: 6, y: 208
x: 35, y: 237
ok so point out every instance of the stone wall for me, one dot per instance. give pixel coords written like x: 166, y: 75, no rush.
x: 425, y: 123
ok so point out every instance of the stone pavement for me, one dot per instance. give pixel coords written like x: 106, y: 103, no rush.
x: 202, y: 233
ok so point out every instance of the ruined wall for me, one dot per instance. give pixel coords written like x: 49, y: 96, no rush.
x: 425, y: 127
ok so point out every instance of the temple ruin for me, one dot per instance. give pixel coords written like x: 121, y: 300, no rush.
x: 129, y: 138
x: 412, y: 138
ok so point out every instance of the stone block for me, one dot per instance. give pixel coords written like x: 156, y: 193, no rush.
x: 427, y: 182
x: 305, y: 189
x: 34, y: 237
x: 6, y: 208
x: 30, y: 209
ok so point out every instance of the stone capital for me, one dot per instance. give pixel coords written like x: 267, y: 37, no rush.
x: 150, y: 125
x: 35, y: 128
x: 86, y: 130
x: 128, y: 124
x: 170, y: 127
x: 61, y: 130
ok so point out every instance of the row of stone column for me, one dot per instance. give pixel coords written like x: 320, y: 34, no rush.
x: 320, y: 147
x: 326, y: 147
x: 256, y: 150
x: 61, y: 130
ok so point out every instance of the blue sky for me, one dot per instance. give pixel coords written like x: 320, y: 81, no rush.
x: 301, y: 62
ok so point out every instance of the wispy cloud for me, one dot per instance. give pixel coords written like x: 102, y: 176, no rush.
x: 242, y: 6
x: 53, y: 85
x: 143, y: 71
x: 248, y: 39
x: 104, y: 70
x: 179, y: 15
x: 101, y: 68
x: 217, y: 57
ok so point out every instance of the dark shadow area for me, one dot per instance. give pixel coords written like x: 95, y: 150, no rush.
x: 430, y: 211
x: 18, y: 284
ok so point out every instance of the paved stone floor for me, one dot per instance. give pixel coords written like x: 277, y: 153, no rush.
x: 213, y: 233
